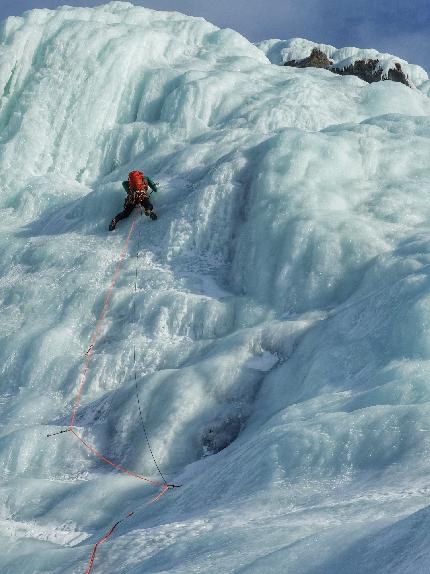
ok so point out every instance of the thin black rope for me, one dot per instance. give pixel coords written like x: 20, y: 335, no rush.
x: 146, y: 434
x: 134, y: 362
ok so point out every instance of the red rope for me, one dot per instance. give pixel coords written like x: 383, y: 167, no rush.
x: 118, y: 467
x: 88, y: 358
x: 83, y: 378
x: 111, y: 531
x: 102, y: 541
x: 89, y: 354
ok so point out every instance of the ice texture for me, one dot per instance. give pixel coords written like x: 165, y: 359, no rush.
x: 282, y: 306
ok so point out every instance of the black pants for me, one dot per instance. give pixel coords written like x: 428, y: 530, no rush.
x: 128, y: 208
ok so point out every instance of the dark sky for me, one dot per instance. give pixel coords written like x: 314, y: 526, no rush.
x: 401, y: 27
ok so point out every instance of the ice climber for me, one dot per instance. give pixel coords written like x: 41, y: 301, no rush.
x: 136, y: 187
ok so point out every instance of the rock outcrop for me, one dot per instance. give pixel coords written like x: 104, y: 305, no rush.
x: 369, y: 70
x: 317, y: 59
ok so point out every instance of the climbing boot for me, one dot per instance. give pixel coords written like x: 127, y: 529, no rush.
x: 153, y: 216
x: 112, y: 225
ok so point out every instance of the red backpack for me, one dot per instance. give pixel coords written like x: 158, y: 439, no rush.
x: 137, y: 181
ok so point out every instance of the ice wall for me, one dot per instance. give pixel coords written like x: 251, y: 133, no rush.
x: 282, y: 303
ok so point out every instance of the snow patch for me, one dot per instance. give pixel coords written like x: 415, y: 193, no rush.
x: 264, y: 362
